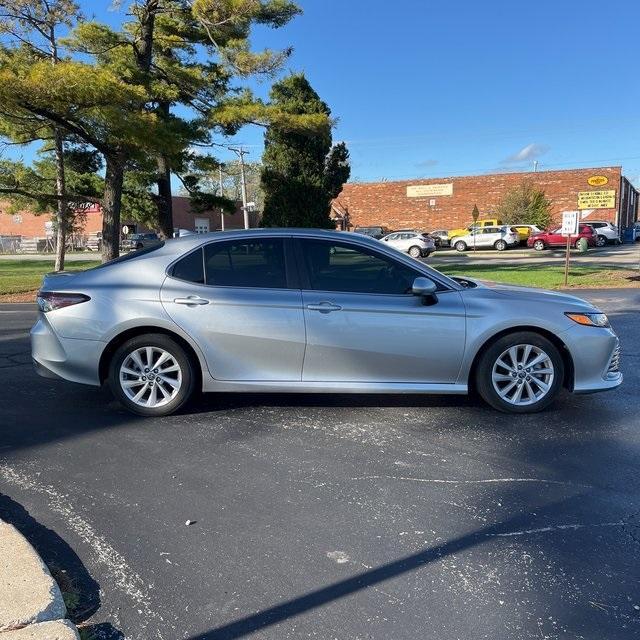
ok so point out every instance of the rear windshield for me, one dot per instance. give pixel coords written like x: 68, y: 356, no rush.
x: 130, y: 255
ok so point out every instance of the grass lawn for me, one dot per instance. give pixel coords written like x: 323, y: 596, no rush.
x: 18, y: 276
x: 547, y: 276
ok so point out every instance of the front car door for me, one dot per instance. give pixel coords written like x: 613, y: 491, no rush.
x: 364, y: 325
x: 240, y: 301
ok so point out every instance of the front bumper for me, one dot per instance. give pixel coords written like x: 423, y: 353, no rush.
x: 72, y: 359
x: 596, y: 358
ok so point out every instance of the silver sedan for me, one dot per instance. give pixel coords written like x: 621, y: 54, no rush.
x: 311, y: 311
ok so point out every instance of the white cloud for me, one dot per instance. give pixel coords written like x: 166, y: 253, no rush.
x: 527, y: 154
x: 427, y: 163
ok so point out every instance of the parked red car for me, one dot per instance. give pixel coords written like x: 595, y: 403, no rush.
x: 540, y: 241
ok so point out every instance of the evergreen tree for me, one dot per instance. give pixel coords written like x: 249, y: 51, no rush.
x: 301, y: 172
x: 33, y: 27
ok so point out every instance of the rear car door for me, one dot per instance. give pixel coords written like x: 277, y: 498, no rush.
x: 364, y: 325
x: 240, y: 301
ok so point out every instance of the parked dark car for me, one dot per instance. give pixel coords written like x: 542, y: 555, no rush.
x: 554, y: 238
x: 141, y: 241
x: 440, y: 237
x: 372, y: 232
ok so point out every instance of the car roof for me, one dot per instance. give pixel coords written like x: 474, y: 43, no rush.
x: 184, y: 243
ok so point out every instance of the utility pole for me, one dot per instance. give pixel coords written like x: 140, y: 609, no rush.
x: 243, y: 183
x: 222, y: 196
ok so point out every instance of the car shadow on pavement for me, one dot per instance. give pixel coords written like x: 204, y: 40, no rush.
x: 212, y: 402
x: 80, y: 591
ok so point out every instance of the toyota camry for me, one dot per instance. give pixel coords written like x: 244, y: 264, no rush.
x: 300, y: 310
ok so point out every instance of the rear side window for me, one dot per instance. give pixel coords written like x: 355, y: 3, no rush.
x: 190, y: 268
x: 246, y: 263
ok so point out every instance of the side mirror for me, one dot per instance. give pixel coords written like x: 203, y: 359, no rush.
x: 425, y: 288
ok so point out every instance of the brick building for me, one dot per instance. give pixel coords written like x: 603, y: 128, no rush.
x: 446, y: 203
x: 26, y: 226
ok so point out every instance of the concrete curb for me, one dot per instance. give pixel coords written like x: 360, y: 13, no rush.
x: 55, y: 630
x: 28, y: 593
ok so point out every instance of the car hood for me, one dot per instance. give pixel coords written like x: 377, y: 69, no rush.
x: 533, y: 294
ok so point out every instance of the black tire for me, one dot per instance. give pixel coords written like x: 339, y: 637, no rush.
x: 539, y: 245
x: 500, y: 245
x: 484, y: 369
x: 166, y: 343
x: 460, y: 246
x: 601, y: 241
x: 415, y: 252
x: 139, y: 246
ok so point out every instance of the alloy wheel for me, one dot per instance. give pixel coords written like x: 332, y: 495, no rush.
x: 150, y: 377
x: 523, y: 374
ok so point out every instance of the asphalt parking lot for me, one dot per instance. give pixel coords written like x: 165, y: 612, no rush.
x: 331, y: 517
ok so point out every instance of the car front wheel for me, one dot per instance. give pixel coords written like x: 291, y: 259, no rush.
x: 460, y: 246
x: 601, y: 241
x: 151, y: 375
x: 521, y: 372
x: 538, y: 245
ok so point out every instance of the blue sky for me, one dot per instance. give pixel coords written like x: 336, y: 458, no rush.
x: 425, y: 89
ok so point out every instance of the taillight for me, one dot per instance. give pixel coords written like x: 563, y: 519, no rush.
x: 52, y: 300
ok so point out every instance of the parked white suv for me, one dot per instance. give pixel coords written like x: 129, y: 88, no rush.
x: 605, y: 232
x: 414, y: 243
x: 499, y: 238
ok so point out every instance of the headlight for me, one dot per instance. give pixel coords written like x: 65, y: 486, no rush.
x: 589, y: 319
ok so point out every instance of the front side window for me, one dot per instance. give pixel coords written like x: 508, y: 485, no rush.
x: 333, y: 266
x: 246, y: 263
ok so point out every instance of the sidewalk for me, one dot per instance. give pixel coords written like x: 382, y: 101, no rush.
x: 31, y: 604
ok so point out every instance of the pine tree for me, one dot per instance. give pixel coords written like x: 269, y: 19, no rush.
x: 302, y: 172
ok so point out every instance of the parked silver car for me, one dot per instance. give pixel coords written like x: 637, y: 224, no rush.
x: 499, y: 238
x: 311, y: 311
x: 416, y: 244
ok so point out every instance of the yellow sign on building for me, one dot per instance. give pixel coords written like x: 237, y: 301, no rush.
x: 597, y: 199
x: 598, y: 181
x: 429, y: 190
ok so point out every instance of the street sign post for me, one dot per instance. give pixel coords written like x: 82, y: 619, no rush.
x: 475, y: 214
x: 570, y: 227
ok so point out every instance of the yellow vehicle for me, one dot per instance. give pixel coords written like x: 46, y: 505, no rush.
x: 485, y: 222
x: 525, y: 230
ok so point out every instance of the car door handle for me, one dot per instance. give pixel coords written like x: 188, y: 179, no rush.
x: 191, y: 300
x: 324, y: 307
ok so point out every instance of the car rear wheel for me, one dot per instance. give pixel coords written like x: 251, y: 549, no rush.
x: 151, y: 375
x: 414, y: 252
x: 538, y: 245
x: 500, y: 245
x: 460, y: 246
x: 601, y: 241
x: 521, y: 372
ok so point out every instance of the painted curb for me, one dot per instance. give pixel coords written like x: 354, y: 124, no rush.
x: 28, y: 592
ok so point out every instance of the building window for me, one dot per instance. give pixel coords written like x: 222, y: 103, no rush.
x: 202, y: 225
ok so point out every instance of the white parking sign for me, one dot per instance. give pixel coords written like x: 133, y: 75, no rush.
x: 570, y: 223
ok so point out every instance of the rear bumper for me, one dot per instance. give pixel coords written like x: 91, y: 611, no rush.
x: 72, y: 359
